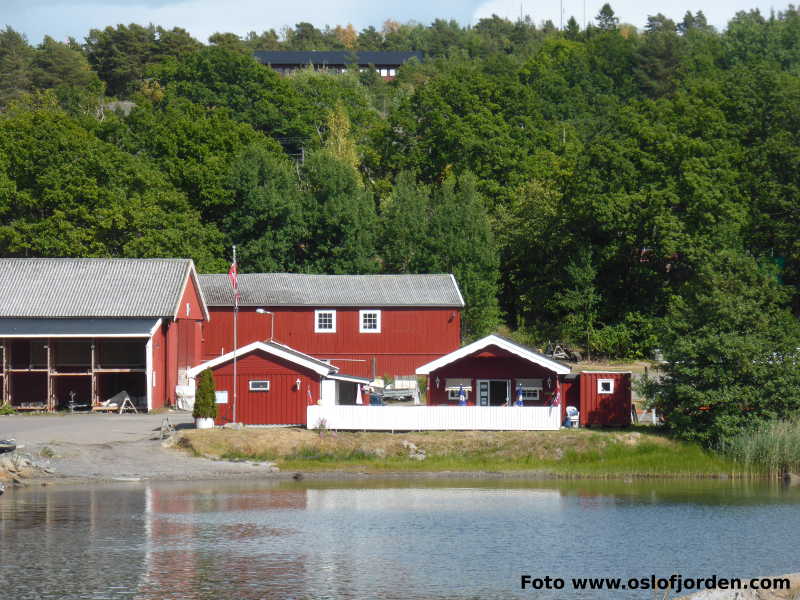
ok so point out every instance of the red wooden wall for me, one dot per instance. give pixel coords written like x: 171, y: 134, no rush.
x: 491, y: 363
x: 409, y: 337
x: 283, y: 404
x: 158, y: 381
x: 605, y: 409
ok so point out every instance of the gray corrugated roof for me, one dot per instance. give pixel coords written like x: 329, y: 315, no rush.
x: 333, y: 58
x: 91, y: 287
x: 294, y: 289
x: 77, y: 327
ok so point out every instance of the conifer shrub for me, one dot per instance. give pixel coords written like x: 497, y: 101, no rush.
x: 205, y: 404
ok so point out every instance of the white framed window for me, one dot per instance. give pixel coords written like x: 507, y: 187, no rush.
x: 259, y: 385
x: 605, y: 386
x: 369, y: 321
x: 452, y: 395
x: 530, y: 394
x: 324, y: 321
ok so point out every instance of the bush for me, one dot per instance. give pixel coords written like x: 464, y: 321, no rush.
x: 205, y: 402
x: 635, y: 337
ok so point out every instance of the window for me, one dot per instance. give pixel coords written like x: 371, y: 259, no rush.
x: 605, y: 386
x: 370, y: 321
x: 530, y: 395
x: 261, y: 385
x: 452, y: 395
x: 324, y: 321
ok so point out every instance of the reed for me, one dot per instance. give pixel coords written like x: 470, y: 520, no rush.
x: 771, y: 449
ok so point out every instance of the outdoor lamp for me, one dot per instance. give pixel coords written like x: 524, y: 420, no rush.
x: 263, y: 311
x: 297, y: 383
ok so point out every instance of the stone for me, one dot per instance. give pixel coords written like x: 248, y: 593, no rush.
x: 235, y: 426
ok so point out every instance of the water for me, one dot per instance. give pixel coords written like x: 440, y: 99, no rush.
x: 391, y: 539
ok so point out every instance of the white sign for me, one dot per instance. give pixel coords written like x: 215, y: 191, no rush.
x: 221, y: 397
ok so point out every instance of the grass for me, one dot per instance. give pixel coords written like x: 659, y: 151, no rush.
x: 568, y: 453
x: 772, y: 449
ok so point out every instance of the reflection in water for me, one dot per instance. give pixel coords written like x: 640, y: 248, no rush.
x: 389, y: 539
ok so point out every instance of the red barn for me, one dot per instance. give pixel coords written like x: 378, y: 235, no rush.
x: 79, y: 331
x: 367, y: 325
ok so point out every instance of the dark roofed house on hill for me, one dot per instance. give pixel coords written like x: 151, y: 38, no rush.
x: 385, y: 63
x: 82, y: 330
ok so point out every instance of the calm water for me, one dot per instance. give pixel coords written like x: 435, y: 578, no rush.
x: 443, y: 539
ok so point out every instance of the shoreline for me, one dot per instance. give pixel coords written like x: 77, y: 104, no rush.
x: 260, y: 472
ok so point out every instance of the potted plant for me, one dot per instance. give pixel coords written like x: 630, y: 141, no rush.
x: 205, y: 401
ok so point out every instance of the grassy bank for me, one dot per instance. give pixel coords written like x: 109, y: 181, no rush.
x: 580, y: 453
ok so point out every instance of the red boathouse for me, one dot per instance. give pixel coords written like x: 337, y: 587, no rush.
x: 77, y: 332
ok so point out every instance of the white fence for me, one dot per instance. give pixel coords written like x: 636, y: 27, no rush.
x: 436, y: 418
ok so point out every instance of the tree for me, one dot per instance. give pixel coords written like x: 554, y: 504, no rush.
x: 405, y: 224
x: 606, y: 20
x: 341, y: 217
x: 580, y: 299
x: 461, y: 242
x: 217, y: 77
x: 74, y: 195
x: 732, y: 351
x: 267, y: 219
x: 205, y: 400
x: 16, y: 57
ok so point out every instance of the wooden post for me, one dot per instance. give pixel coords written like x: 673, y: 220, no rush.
x: 4, y: 391
x: 50, y: 399
x: 93, y: 377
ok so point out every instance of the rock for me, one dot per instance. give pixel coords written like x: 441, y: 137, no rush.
x: 236, y: 426
x: 297, y: 476
x: 379, y: 452
x: 419, y: 456
x: 409, y: 446
x: 274, y: 469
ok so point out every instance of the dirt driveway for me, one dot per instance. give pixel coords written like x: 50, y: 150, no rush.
x: 113, y: 447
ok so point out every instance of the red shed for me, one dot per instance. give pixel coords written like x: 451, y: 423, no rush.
x: 605, y: 398
x: 274, y: 384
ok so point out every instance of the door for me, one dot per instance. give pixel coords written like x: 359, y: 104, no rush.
x: 492, y: 392
x: 498, y: 392
x: 483, y: 392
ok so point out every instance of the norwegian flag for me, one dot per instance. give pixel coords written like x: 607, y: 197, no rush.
x: 310, y: 397
x: 557, y: 397
x: 233, y: 275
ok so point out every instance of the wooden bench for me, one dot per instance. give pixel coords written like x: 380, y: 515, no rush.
x: 101, y: 408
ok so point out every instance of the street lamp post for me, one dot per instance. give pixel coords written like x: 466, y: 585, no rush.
x: 262, y: 311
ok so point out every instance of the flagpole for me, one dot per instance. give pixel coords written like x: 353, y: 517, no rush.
x: 235, y: 332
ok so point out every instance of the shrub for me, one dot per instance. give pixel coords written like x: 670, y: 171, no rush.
x: 205, y: 402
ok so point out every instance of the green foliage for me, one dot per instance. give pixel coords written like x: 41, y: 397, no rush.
x: 63, y: 192
x: 732, y: 351
x: 341, y: 217
x: 772, y: 447
x: 580, y: 299
x: 205, y: 403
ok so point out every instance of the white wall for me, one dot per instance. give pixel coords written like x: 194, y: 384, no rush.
x: 437, y: 418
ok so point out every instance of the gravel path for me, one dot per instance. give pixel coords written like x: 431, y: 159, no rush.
x: 115, y: 447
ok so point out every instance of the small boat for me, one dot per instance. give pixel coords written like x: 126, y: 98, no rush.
x: 7, y: 446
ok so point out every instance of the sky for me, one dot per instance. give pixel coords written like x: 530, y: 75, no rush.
x: 74, y: 18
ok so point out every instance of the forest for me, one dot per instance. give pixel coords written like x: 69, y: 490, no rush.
x: 619, y: 188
